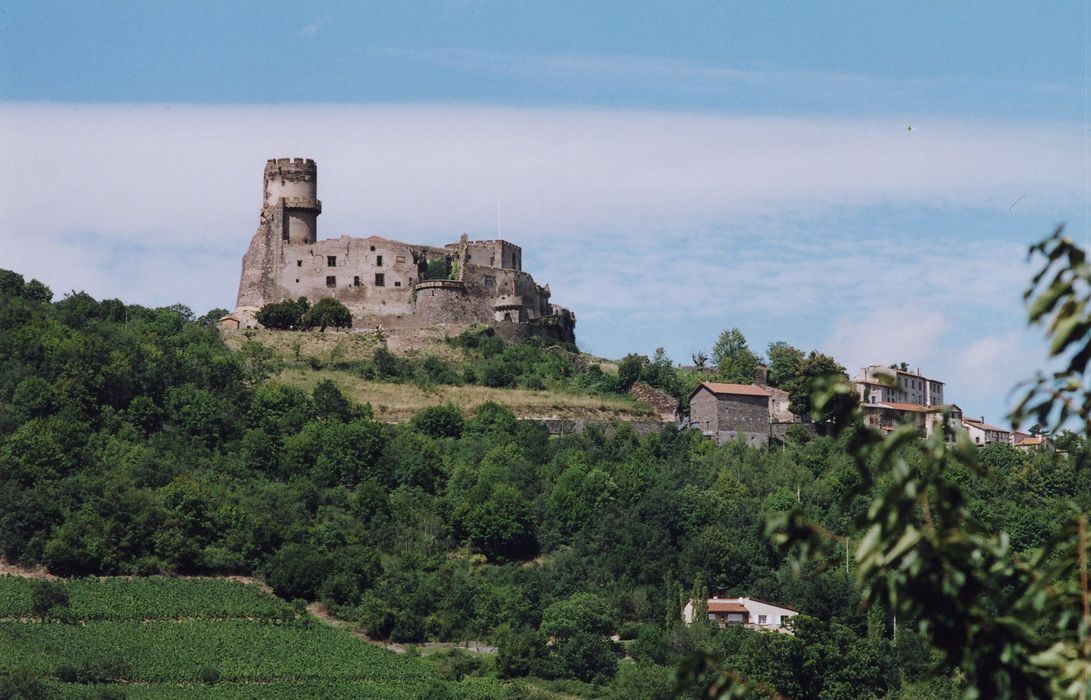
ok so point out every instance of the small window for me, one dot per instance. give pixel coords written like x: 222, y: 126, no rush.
x: 399, y: 258
x: 356, y: 281
x: 331, y: 261
x: 380, y: 280
x: 378, y: 261
x: 490, y: 282
x: 299, y: 263
x: 372, y: 249
x: 397, y: 284
x: 331, y: 281
x: 762, y: 619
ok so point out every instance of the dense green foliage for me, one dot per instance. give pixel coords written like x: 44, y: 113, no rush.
x: 133, y: 442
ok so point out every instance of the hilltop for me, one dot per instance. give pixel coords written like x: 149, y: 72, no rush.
x: 430, y: 368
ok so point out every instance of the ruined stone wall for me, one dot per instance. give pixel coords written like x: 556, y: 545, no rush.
x: 448, y: 302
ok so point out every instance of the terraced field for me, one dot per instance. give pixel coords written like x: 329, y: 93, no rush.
x: 164, y: 638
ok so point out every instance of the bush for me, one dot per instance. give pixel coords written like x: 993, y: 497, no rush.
x: 327, y: 312
x: 497, y: 375
x: 444, y: 421
x: 283, y: 315
x: 208, y: 675
x: 388, y: 365
x: 48, y: 598
x: 296, y: 571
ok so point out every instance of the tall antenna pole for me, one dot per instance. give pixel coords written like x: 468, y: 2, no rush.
x: 498, y: 229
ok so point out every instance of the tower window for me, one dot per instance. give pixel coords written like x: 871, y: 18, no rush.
x: 299, y: 263
x: 372, y: 249
x: 356, y: 281
x: 397, y: 284
x: 380, y: 280
x: 331, y: 281
x: 331, y: 261
x: 378, y: 261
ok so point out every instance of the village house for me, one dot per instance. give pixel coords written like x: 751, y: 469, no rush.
x: 750, y: 613
x: 981, y: 433
x: 878, y: 384
x: 725, y: 412
x: 888, y: 416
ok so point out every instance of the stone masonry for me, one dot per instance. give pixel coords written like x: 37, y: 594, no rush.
x: 383, y: 281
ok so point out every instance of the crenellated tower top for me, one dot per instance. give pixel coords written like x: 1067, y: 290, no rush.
x: 293, y: 182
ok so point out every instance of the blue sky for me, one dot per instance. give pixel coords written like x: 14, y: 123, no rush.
x: 670, y: 172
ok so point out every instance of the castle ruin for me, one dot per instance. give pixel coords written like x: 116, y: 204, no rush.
x: 382, y: 281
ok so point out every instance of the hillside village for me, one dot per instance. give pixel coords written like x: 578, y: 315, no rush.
x: 889, y: 397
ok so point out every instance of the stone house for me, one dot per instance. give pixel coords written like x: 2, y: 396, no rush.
x: 888, y: 416
x: 726, y: 411
x: 981, y: 433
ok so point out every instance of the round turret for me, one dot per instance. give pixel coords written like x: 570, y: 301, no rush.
x: 295, y: 182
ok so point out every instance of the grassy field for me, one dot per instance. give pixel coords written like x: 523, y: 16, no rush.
x: 164, y: 638
x: 398, y: 402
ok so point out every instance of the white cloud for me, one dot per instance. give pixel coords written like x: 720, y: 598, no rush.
x: 316, y: 25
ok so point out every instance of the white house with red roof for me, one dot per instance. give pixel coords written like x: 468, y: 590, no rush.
x: 747, y: 612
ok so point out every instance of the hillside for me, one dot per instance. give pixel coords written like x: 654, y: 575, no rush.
x: 162, y: 638
x: 305, y: 359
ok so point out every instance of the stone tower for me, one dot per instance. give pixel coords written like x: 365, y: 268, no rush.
x: 291, y: 199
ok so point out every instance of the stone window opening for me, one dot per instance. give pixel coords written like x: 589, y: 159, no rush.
x: 378, y: 261
x: 331, y: 281
x: 380, y: 279
x: 299, y: 263
x: 356, y: 281
x: 331, y: 261
x: 371, y: 248
x: 397, y: 284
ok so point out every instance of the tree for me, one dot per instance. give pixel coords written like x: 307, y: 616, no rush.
x: 445, y: 421
x: 296, y: 571
x: 580, y: 626
x: 283, y: 315
x: 329, y: 402
x: 816, y: 371
x: 734, y: 360
x: 784, y: 363
x: 327, y: 312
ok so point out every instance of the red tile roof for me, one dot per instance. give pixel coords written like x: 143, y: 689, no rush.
x: 726, y: 606
x: 1030, y: 441
x: 732, y: 389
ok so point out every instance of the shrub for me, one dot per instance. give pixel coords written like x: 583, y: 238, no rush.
x: 47, y: 598
x: 283, y: 315
x: 440, y: 421
x: 296, y: 571
x: 208, y: 675
x: 387, y: 364
x: 327, y: 312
